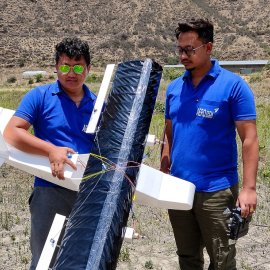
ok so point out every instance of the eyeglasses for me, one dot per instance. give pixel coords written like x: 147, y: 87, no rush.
x: 77, y: 69
x: 189, y: 50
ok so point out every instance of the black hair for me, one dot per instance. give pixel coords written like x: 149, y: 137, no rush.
x: 202, y: 27
x: 73, y: 48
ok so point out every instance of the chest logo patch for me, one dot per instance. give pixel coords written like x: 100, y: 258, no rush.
x: 206, y: 113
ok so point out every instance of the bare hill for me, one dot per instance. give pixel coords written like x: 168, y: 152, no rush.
x: 128, y: 29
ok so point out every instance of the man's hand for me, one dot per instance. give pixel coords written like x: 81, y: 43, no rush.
x: 58, y: 158
x: 16, y: 133
x: 247, y: 201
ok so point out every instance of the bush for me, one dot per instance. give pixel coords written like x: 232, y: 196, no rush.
x: 172, y: 73
x: 159, y: 107
x: 124, y: 255
x: 255, y: 77
x: 39, y: 78
x: 31, y: 81
x: 12, y: 79
x: 172, y: 60
x: 21, y: 63
x: 93, y: 78
x: 149, y: 265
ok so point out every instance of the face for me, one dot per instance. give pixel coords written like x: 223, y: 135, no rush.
x: 197, y: 59
x: 72, y: 82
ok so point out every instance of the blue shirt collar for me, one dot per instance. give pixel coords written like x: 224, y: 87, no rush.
x: 87, y: 92
x: 213, y: 72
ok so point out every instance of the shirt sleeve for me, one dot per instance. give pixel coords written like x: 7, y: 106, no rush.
x: 243, y: 102
x: 167, y: 104
x: 169, y: 94
x: 29, y: 106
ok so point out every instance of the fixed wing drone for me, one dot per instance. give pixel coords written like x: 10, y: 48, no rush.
x: 151, y: 187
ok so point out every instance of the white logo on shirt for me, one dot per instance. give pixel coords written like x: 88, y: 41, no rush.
x: 206, y: 113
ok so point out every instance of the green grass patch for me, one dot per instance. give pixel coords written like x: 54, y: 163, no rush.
x: 11, y: 99
x: 263, y: 127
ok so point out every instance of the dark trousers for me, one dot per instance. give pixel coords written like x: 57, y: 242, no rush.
x: 205, y: 226
x: 44, y: 203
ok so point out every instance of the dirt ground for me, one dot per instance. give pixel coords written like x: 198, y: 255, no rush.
x: 153, y: 249
x: 155, y: 246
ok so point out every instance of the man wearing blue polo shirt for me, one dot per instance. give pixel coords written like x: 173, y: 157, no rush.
x: 204, y: 109
x: 59, y: 113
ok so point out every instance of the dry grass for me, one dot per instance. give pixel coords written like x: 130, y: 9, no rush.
x: 155, y: 248
x: 129, y: 30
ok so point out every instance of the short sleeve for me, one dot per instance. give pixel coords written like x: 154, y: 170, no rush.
x: 29, y: 106
x: 243, y: 102
x: 167, y: 105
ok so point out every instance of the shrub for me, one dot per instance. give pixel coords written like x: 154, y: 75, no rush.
x: 124, y: 255
x: 159, y: 107
x: 172, y: 60
x: 149, y: 265
x: 12, y: 79
x: 24, y: 260
x: 172, y: 73
x: 21, y: 63
x: 39, y: 78
x: 255, y: 77
x: 93, y: 78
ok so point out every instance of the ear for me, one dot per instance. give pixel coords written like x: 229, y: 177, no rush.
x: 88, y: 68
x: 209, y: 47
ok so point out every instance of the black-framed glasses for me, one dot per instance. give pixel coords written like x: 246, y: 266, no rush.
x: 77, y: 69
x: 188, y: 50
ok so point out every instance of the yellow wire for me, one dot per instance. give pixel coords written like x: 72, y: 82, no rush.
x: 107, y: 162
x: 87, y: 177
x: 102, y: 158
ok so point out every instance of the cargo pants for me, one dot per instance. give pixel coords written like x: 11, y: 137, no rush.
x: 205, y: 225
x: 44, y: 203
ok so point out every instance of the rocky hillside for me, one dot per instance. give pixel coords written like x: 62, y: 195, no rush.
x: 128, y: 29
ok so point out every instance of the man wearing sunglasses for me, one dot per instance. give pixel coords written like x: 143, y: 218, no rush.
x: 204, y: 109
x: 59, y: 113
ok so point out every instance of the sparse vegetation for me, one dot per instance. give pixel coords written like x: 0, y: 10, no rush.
x: 149, y: 265
x: 12, y: 79
x: 124, y: 255
x: 155, y: 247
x: 172, y: 73
x: 159, y: 107
x: 137, y: 29
x: 39, y: 78
x: 94, y: 78
x: 30, y: 81
x: 255, y: 77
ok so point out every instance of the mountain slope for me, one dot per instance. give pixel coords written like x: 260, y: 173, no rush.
x: 119, y: 30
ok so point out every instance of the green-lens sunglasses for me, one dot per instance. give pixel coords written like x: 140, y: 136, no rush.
x: 77, y: 69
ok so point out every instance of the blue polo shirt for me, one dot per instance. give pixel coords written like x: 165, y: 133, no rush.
x: 204, y: 149
x: 56, y: 118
